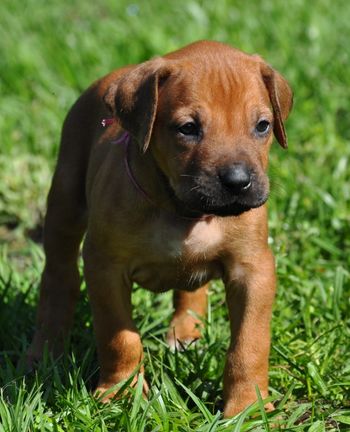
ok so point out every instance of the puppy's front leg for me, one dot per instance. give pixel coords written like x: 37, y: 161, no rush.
x: 118, y: 342
x: 186, y: 327
x: 250, y: 291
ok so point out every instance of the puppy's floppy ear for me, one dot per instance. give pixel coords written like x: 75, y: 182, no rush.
x: 281, y: 98
x: 133, y: 98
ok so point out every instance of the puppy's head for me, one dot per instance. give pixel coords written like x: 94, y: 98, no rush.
x: 207, y: 113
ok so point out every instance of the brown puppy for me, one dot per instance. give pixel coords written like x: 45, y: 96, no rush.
x: 176, y: 201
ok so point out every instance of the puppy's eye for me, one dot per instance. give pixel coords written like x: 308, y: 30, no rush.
x: 262, y: 127
x: 189, y: 128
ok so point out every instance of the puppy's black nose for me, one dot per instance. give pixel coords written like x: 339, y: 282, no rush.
x: 236, y: 177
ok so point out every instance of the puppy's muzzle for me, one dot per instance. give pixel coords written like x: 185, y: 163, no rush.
x: 228, y: 190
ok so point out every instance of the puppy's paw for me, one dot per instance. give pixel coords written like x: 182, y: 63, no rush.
x: 183, y: 331
x: 30, y: 361
x: 105, y: 392
x: 34, y: 357
x: 180, y: 345
x: 232, y: 409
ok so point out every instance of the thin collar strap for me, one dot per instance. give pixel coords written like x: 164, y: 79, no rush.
x: 124, y: 140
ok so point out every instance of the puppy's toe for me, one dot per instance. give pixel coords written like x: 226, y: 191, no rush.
x: 32, y: 359
x: 183, y: 332
x: 269, y: 407
x: 234, y: 408
x: 106, y: 392
x: 180, y: 345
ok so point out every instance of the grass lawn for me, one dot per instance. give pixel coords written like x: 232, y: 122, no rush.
x: 50, y: 51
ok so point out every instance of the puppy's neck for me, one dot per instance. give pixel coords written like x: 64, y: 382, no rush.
x: 153, y: 184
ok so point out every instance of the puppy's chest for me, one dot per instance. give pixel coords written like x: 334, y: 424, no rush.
x: 189, y: 242
x: 178, y: 256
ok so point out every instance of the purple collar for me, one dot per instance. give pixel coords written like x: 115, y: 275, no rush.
x: 124, y: 140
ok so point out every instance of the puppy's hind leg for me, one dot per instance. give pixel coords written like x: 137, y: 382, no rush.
x: 64, y: 227
x: 185, y: 324
x: 60, y: 282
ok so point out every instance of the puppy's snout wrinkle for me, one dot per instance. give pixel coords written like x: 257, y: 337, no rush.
x: 236, y: 177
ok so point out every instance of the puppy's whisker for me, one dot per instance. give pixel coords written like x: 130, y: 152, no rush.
x: 189, y: 175
x: 194, y: 188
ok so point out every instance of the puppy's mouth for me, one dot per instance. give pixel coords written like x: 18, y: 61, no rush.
x: 208, y: 197
x: 234, y: 208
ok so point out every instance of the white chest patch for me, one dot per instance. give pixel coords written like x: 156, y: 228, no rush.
x: 204, y: 238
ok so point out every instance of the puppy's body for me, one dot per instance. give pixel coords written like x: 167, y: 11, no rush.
x: 175, y: 203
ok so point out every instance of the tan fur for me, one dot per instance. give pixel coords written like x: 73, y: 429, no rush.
x: 167, y: 243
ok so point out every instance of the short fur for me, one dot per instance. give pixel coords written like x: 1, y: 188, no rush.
x: 195, y: 227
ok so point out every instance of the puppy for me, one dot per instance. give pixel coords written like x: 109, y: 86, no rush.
x: 170, y: 194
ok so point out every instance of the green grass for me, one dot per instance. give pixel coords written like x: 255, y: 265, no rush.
x: 50, y: 51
